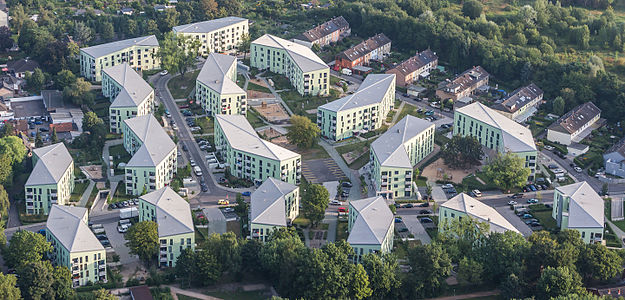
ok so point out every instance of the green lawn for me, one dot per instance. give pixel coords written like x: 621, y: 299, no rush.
x: 101, y: 107
x: 259, y: 88
x: 611, y: 240
x: 205, y: 124
x: 79, y: 189
x: 94, y: 192
x: 341, y: 231
x: 544, y: 217
x: 353, y: 146
x: 240, y: 80
x: 472, y: 183
x: 239, y: 295
x: 185, y: 297
x: 409, y: 110
x: 280, y: 82
x: 316, y: 152
x: 120, y: 194
x: 254, y: 118
x: 300, y: 104
x: 119, y: 156
x: 180, y: 87
x: 361, y: 161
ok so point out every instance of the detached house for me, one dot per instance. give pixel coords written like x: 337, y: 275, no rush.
x: 521, y: 104
x: 418, y: 66
x: 273, y: 205
x: 375, y: 48
x: 577, y: 206
x: 20, y: 67
x: 463, y: 85
x: 569, y: 128
x: 329, y: 32
x: 614, y: 159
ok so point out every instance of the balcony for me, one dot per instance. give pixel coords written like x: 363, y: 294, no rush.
x: 102, y: 273
x: 163, y: 259
x: 384, y: 176
x: 408, y: 189
x: 383, y: 184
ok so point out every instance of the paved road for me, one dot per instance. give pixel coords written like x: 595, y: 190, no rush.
x: 414, y: 225
x: 185, y: 137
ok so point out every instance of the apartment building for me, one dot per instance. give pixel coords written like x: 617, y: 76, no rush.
x: 250, y: 157
x: 577, y: 206
x: 414, y: 68
x: 371, y: 227
x: 521, y: 104
x: 275, y: 204
x: 74, y: 245
x: 363, y: 111
x: 139, y: 53
x: 575, y: 125
x: 52, y: 179
x: 131, y: 96
x: 308, y: 74
x: 331, y: 31
x: 465, y: 206
x: 463, y: 85
x: 154, y: 159
x: 216, y: 36
x: 496, y: 132
x: 376, y: 48
x: 216, y: 89
x: 614, y: 159
x: 395, y: 153
x: 172, y: 215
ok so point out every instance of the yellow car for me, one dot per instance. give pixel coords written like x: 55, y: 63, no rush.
x: 223, y: 202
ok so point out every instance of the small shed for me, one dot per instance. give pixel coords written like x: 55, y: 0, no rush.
x: 415, y: 90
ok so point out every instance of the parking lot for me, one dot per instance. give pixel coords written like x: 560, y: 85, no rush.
x: 322, y: 170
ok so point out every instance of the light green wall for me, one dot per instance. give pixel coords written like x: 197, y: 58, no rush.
x: 560, y: 212
x: 288, y: 170
x: 317, y: 81
x: 89, y: 266
x: 138, y: 179
x: 39, y: 198
x: 263, y: 231
x: 170, y: 247
x: 91, y: 67
x: 361, y: 249
x: 224, y: 39
x: 215, y: 103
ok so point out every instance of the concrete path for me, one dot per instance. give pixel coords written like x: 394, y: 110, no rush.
x: 396, y: 115
x: 416, y: 228
x: 437, y: 193
x: 175, y: 291
x: 619, y: 233
x: 275, y: 94
x: 85, y: 195
x: 353, y: 176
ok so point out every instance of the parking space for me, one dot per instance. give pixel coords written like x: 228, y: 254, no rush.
x: 118, y: 243
x: 517, y: 222
x: 416, y: 228
x: 322, y: 170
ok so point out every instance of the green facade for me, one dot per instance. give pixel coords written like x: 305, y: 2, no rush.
x: 85, y: 267
x: 362, y: 249
x: 138, y: 57
x: 215, y: 103
x: 39, y: 198
x: 560, y: 212
x: 262, y: 231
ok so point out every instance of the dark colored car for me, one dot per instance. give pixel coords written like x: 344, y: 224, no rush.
x: 517, y: 195
x: 347, y: 184
x: 184, y: 148
x: 403, y: 229
x: 426, y: 220
x: 247, y: 194
x: 204, y: 188
x: 101, y: 236
x: 425, y: 212
x: 424, y: 204
x: 409, y: 205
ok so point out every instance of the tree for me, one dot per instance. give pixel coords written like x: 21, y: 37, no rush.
x: 178, y: 52
x: 472, y: 9
x: 507, y: 171
x: 315, y: 203
x: 543, y: 252
x: 599, y: 263
x: 302, y: 132
x: 143, y: 240
x: 64, y: 78
x: 429, y: 267
x: 38, y: 141
x: 512, y: 287
x: 79, y: 92
x: 208, y: 268
x: 8, y: 289
x: 382, y: 271
x: 102, y: 294
x: 469, y: 272
x: 107, y: 32
x: 360, y: 284
x: 26, y: 247
x: 559, y: 281
x: 502, y: 254
x: 62, y: 284
x: 36, y: 280
x: 12, y: 153
x: 82, y: 33
x: 36, y: 80
x: 4, y: 202
x: 185, y: 267
x: 54, y: 138
x: 225, y: 248
x: 245, y: 44
x: 5, y: 38
x: 19, y: 17
x: 462, y: 152
x: 558, y: 106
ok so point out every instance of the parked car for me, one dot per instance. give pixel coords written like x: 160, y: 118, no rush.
x: 530, y: 221
x: 204, y: 187
x: 512, y: 202
x: 535, y: 224
x: 425, y: 212
x: 426, y: 220
x: 105, y: 243
x: 347, y: 184
x: 578, y: 169
x: 517, y: 195
x: 548, y: 148
x: 246, y: 193
x: 335, y: 202
x: 192, y: 162
x: 532, y: 200
x: 408, y: 205
x: 184, y: 148
x: 403, y: 229
x: 164, y: 72
x: 223, y: 202
x: 101, y: 236
x: 397, y: 205
x: 527, y: 216
x: 424, y: 204
x: 398, y: 220
x: 477, y: 193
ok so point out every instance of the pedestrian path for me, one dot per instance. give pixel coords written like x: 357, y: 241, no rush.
x: 399, y: 109
x: 175, y: 291
x: 85, y: 195
x: 351, y: 174
x: 619, y: 233
x: 470, y: 296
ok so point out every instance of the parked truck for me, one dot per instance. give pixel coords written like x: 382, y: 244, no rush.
x: 346, y: 71
x: 127, y: 213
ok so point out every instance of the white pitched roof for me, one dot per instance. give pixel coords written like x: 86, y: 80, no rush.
x: 371, y: 91
x: 267, y: 204
x: 480, y: 211
x: 373, y: 221
x: 214, y: 74
x: 586, y: 206
x: 156, y: 142
x: 108, y: 48
x: 516, y: 137
x: 173, y: 213
x: 241, y: 136
x: 67, y: 224
x: 303, y: 56
x: 52, y: 164
x: 134, y: 89
x: 390, y: 149
x: 208, y: 26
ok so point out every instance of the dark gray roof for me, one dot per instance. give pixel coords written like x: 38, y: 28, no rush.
x: 374, y: 42
x: 108, y: 48
x: 416, y: 62
x: 325, y: 29
x: 371, y: 91
x: 519, y: 98
x: 208, y: 26
x: 465, y: 80
x: 618, y: 147
x: 22, y: 65
x: 576, y: 118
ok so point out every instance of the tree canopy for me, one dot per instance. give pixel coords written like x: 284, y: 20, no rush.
x: 507, y: 171
x: 302, y: 132
x: 314, y: 202
x: 143, y: 240
x: 26, y: 247
x: 462, y: 152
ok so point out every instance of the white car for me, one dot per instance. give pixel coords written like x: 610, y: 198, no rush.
x: 335, y: 202
x: 164, y: 72
x: 122, y: 228
x: 547, y: 147
x: 192, y: 162
x: 578, y: 169
x: 512, y: 202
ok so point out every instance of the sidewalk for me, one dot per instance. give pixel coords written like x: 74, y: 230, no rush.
x: 351, y: 174
x: 619, y: 233
x: 85, y: 195
x: 175, y: 291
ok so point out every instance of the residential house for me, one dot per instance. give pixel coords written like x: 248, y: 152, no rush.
x: 20, y: 67
x: 577, y: 206
x: 463, y: 206
x: 395, y: 154
x: 140, y: 53
x: 463, y: 85
x: 371, y: 227
x: 363, y: 111
x: 127, y: 11
x: 522, y: 103
x: 52, y: 179
x: 218, y: 35
x: 496, y: 132
x: 570, y: 127
x: 130, y: 95
x: 418, y: 66
x: 331, y: 31
x: 250, y: 157
x: 216, y: 89
x: 175, y: 228
x: 74, y: 245
x: 308, y: 74
x: 614, y: 159
x: 154, y: 155
x: 374, y: 48
x: 275, y: 204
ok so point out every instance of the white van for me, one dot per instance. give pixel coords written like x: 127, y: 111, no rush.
x: 346, y: 71
x: 197, y: 170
